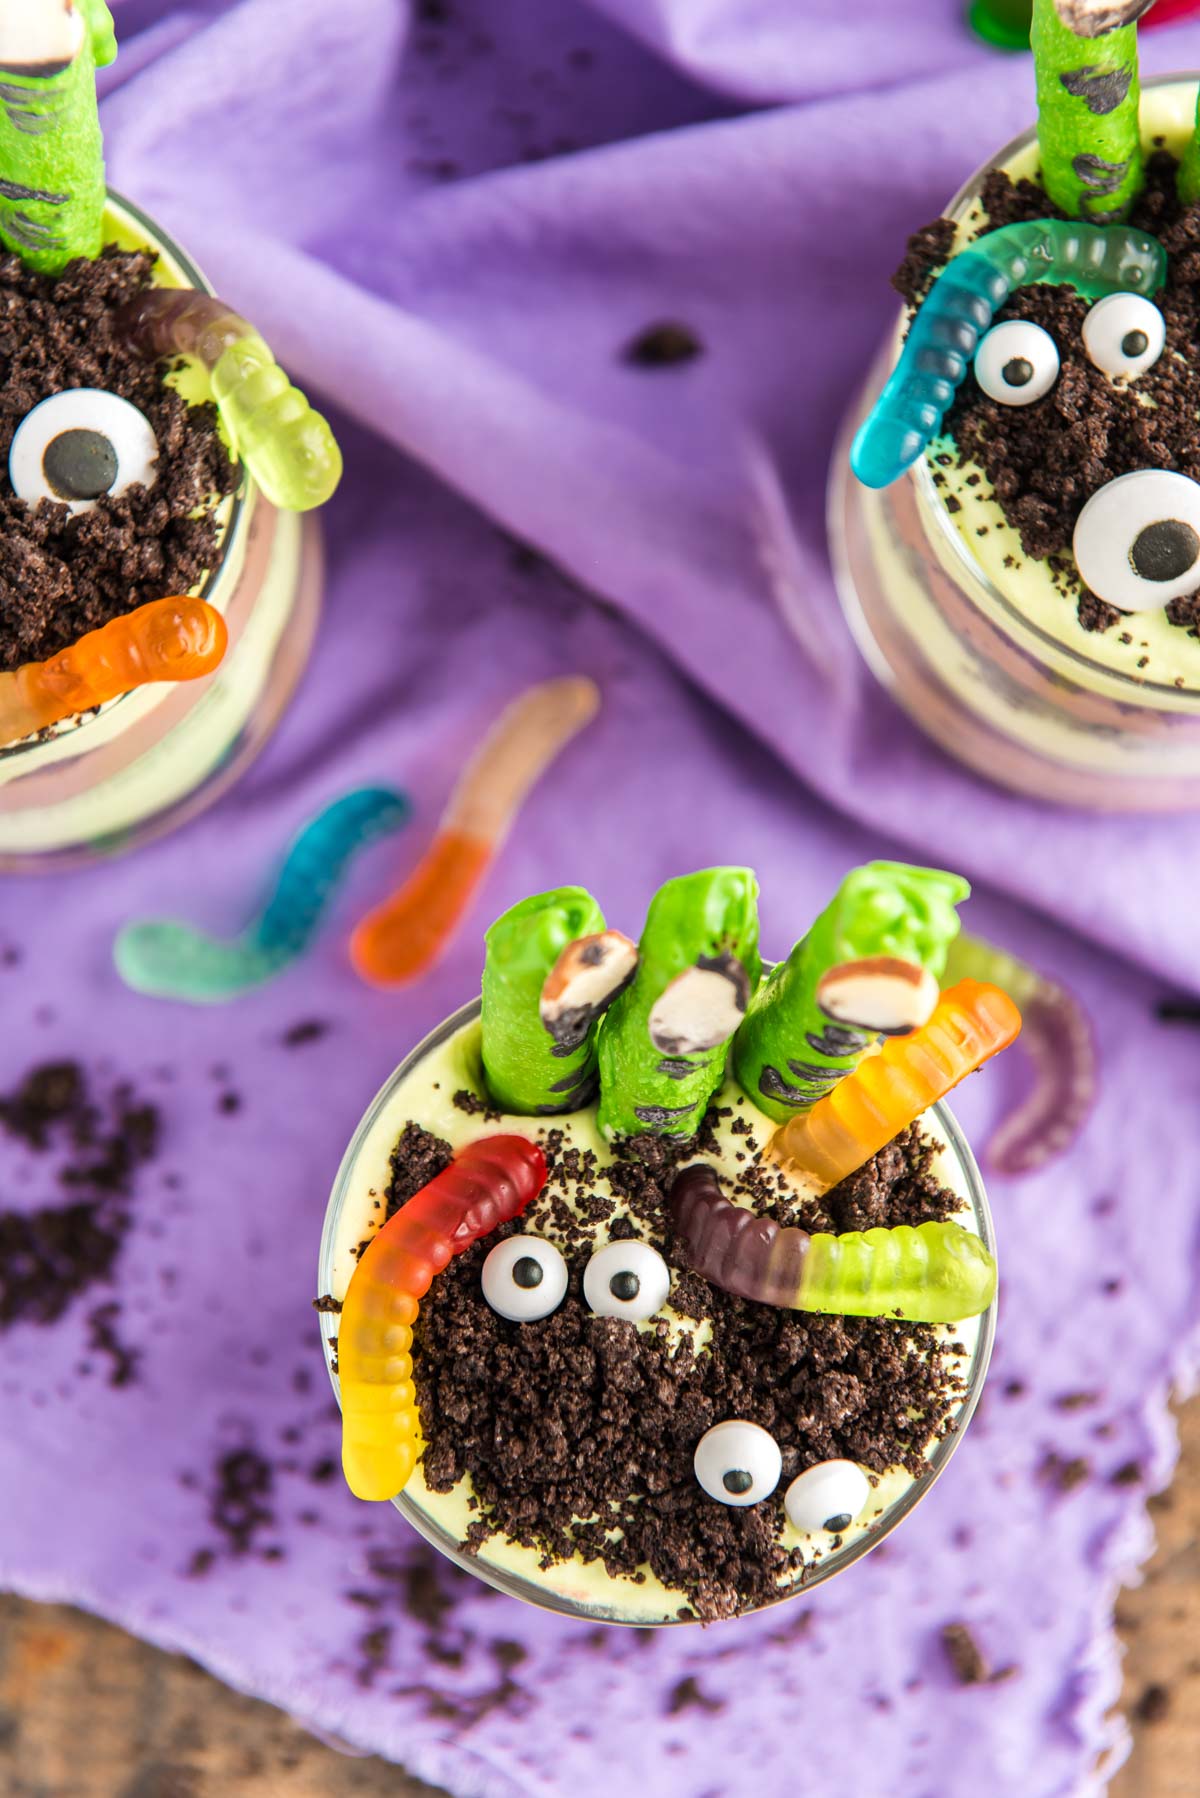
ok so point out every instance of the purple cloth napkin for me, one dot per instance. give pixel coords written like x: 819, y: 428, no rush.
x: 450, y: 219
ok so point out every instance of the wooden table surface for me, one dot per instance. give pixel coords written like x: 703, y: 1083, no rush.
x: 89, y: 1712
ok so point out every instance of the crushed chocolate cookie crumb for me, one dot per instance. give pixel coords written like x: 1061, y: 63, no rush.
x: 308, y: 1030
x: 1065, y: 1475
x: 1153, y: 1704
x: 61, y: 576
x: 51, y: 1254
x: 103, y: 1338
x: 967, y: 1659
x: 581, y: 1416
x: 466, y: 1101
x: 1128, y: 1474
x: 926, y: 251
x: 663, y: 346
x: 327, y: 1302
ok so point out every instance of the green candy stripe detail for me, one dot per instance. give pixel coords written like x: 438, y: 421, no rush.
x: 788, y: 1053
x: 524, y: 1071
x: 935, y: 1273
x: 1088, y: 135
x: 693, y: 918
x: 52, y: 192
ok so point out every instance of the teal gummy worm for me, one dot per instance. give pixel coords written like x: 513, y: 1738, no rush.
x: 960, y: 306
x: 176, y: 961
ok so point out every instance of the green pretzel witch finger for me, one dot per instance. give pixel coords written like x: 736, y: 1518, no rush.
x: 551, y: 971
x: 868, y: 966
x: 664, y: 1044
x: 52, y: 190
x: 1085, y: 60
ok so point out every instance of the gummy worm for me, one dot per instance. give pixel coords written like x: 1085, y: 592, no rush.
x: 665, y: 1042
x: 403, y: 938
x: 287, y: 446
x: 890, y: 1090
x: 935, y: 1273
x: 887, y: 928
x: 165, y: 640
x: 551, y: 971
x: 488, y: 1183
x: 959, y: 308
x: 1058, y: 1039
x: 176, y: 961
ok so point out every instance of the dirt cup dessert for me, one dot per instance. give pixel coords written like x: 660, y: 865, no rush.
x: 158, y: 585
x: 1018, y: 550
x: 657, y: 1286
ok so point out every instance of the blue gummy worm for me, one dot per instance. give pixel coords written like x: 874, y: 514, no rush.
x: 175, y: 961
x: 960, y: 307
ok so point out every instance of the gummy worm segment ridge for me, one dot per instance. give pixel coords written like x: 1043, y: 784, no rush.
x: 489, y: 1183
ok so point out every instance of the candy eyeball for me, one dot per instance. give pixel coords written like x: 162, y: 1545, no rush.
x: 738, y: 1463
x: 80, y: 444
x: 1016, y: 362
x: 626, y: 1279
x: 524, y: 1278
x: 828, y: 1497
x: 1124, y: 335
x: 1137, y: 541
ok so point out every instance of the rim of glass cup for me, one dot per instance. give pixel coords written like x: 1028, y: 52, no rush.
x: 956, y: 209
x: 237, y: 508
x: 517, y: 1585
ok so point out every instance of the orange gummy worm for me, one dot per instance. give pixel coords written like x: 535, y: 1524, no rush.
x: 170, y: 639
x: 888, y: 1091
x: 405, y: 935
x: 488, y: 1183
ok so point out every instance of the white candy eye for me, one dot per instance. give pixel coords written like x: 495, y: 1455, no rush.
x: 1124, y: 335
x: 738, y: 1463
x: 79, y: 444
x: 524, y: 1278
x: 626, y: 1279
x: 828, y: 1496
x: 1016, y: 362
x: 1137, y: 541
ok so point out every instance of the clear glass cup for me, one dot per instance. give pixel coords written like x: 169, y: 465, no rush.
x: 351, y: 1202
x: 995, y: 690
x: 97, y: 784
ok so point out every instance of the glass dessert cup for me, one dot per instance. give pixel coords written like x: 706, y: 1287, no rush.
x: 572, y: 1588
x: 1048, y: 712
x: 99, y: 783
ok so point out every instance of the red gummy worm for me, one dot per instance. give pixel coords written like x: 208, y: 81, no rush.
x: 489, y: 1183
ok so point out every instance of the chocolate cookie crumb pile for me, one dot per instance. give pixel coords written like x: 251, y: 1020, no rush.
x: 61, y: 576
x: 1044, y: 462
x: 582, y: 1417
x: 52, y: 1252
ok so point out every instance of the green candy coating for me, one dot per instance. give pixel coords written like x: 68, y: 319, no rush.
x: 52, y: 192
x: 693, y: 919
x: 788, y: 1052
x: 525, y: 1068
x: 1088, y: 135
x: 935, y: 1273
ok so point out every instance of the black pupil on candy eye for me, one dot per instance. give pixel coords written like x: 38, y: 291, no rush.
x: 1134, y: 343
x: 79, y: 464
x: 1018, y: 372
x: 835, y: 1525
x: 527, y: 1272
x: 625, y: 1286
x: 1165, y: 550
x: 737, y: 1481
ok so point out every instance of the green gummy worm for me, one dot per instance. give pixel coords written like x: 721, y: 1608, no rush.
x: 527, y: 1070
x: 706, y: 924
x: 935, y: 1273
x: 52, y: 191
x: 788, y: 1052
x: 1087, y: 92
